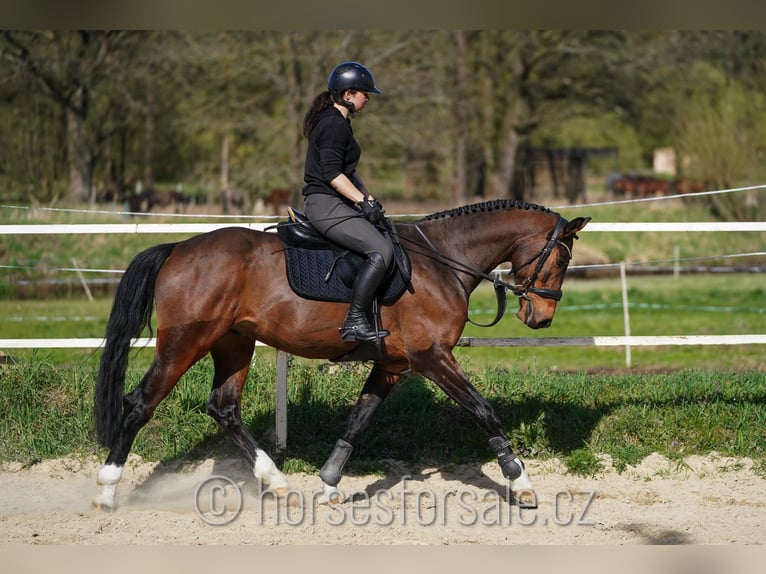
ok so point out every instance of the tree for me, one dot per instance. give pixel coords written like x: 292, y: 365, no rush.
x: 31, y: 158
x: 69, y: 67
x: 459, y: 109
x: 507, y: 86
x: 720, y: 135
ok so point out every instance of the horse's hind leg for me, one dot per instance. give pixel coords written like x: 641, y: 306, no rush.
x: 377, y: 387
x: 231, y: 357
x: 138, y: 407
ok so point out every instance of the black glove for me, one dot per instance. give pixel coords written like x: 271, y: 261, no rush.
x: 372, y: 210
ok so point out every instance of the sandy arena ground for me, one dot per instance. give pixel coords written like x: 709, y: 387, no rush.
x: 704, y: 501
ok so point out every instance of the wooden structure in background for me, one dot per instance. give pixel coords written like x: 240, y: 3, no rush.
x: 561, y: 171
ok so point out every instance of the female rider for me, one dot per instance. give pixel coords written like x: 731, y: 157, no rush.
x: 336, y: 200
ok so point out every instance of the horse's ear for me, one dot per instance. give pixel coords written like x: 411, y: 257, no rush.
x: 574, y: 226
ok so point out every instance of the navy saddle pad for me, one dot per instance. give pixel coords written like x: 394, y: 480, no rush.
x: 318, y: 269
x: 327, y: 275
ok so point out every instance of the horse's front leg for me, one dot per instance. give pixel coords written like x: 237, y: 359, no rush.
x: 377, y: 387
x: 440, y: 365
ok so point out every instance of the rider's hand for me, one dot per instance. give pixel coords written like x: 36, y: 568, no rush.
x: 372, y: 210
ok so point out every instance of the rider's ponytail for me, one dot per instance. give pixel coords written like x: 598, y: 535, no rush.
x: 321, y: 102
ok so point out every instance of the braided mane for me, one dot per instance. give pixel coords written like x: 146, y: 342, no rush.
x: 495, y: 204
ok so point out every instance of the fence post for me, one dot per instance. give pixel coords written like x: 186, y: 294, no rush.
x: 82, y: 280
x: 281, y: 401
x: 625, y: 312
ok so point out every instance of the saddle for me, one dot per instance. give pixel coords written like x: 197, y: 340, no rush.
x: 321, y: 270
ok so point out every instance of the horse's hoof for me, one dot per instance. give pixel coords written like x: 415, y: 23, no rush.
x: 330, y: 497
x: 102, y: 507
x: 525, y: 498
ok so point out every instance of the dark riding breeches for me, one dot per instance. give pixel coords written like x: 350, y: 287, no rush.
x: 344, y: 225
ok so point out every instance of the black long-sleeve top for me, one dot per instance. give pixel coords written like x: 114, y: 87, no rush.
x: 332, y: 150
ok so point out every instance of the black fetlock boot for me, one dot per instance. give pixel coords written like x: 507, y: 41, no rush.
x: 356, y: 326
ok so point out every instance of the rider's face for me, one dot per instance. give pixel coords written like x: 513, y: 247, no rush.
x: 356, y: 97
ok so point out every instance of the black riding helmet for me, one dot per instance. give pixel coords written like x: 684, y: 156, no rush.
x: 350, y: 76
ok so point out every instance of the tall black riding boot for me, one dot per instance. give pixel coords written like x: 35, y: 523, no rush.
x: 356, y: 326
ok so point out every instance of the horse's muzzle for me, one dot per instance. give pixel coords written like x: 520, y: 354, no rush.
x: 534, y: 317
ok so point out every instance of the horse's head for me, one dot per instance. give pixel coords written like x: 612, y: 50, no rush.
x: 539, y: 265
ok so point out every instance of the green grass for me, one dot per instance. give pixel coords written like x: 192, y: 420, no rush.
x: 46, y: 411
x: 43, y: 410
x: 583, y: 462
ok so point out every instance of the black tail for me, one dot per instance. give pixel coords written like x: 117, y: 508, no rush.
x: 131, y: 313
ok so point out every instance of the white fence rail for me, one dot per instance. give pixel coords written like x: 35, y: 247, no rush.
x: 602, y: 341
x: 181, y: 228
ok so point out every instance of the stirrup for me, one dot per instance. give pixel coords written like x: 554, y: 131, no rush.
x: 359, y: 333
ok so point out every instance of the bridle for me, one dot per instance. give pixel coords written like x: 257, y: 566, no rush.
x: 541, y: 258
x: 501, y: 287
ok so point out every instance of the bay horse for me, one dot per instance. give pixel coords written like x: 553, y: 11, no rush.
x: 221, y: 291
x: 278, y: 198
x: 150, y: 198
